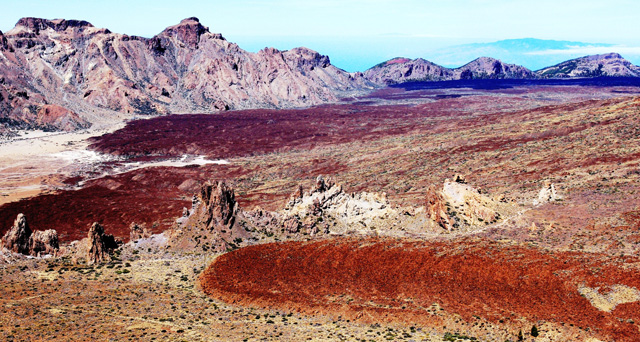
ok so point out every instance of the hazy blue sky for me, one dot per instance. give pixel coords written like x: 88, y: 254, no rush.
x: 357, y: 34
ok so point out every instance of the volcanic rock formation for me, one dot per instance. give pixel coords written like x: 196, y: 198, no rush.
x: 212, y: 220
x: 610, y: 64
x: 20, y: 239
x: 328, y: 209
x: 100, y: 245
x: 459, y: 205
x: 67, y: 74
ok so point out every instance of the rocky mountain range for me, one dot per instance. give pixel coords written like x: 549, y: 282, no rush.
x: 67, y: 74
x: 399, y: 70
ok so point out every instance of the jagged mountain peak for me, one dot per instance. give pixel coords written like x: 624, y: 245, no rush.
x: 188, y: 31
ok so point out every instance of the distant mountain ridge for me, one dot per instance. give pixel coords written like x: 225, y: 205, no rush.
x: 532, y: 53
x: 400, y: 70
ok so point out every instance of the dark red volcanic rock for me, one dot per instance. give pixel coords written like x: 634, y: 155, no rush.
x: 387, y: 279
x: 94, y: 73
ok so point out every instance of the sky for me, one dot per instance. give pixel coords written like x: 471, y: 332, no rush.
x: 358, y: 34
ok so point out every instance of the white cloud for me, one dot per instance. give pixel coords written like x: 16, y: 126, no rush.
x: 590, y: 50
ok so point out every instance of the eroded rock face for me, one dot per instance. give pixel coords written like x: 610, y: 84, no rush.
x: 20, y: 239
x: 610, y: 64
x: 17, y: 239
x: 491, y: 68
x: 219, y: 205
x: 327, y: 209
x: 436, y: 207
x: 399, y: 70
x: 100, y: 245
x: 211, y: 224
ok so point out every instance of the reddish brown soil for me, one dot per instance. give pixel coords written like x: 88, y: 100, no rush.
x: 399, y: 280
x: 151, y: 196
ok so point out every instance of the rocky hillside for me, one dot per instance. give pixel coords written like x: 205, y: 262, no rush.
x: 491, y: 68
x: 67, y: 74
x: 399, y: 70
x: 610, y: 64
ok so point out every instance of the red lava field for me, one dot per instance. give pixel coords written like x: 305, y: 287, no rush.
x: 370, y: 145
x: 400, y: 280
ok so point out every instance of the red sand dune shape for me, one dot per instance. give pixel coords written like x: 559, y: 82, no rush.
x: 379, y: 275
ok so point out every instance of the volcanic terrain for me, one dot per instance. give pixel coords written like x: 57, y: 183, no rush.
x: 468, y: 211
